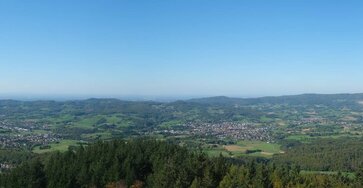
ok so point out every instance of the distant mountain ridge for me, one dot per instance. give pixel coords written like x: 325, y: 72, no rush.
x: 309, y: 99
x: 288, y: 99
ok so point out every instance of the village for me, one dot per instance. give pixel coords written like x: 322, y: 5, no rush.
x: 14, y: 136
x: 224, y: 130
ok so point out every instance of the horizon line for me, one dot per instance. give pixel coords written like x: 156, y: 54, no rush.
x: 156, y: 98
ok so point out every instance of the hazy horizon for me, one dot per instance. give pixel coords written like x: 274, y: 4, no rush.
x: 140, y: 97
x: 180, y: 48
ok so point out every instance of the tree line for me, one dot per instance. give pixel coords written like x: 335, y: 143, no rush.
x: 324, y: 154
x: 150, y: 163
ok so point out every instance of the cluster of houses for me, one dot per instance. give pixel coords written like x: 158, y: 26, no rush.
x: 20, y: 134
x: 5, y: 167
x: 28, y: 140
x: 25, y: 125
x: 303, y: 121
x: 231, y: 130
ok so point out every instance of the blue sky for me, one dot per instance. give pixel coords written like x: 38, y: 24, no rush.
x: 180, y: 48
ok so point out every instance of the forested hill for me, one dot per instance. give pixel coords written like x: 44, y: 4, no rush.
x: 86, y: 106
x: 115, y: 104
x: 204, y: 109
x: 148, y: 163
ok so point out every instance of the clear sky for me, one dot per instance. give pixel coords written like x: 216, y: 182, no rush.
x: 244, y: 48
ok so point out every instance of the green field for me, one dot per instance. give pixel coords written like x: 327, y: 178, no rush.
x: 170, y: 124
x: 217, y: 152
x: 87, y: 123
x: 99, y: 135
x: 264, y: 146
x: 241, y: 147
x: 61, y: 146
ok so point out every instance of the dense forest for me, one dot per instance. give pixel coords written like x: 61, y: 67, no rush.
x: 150, y: 163
x: 342, y: 154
